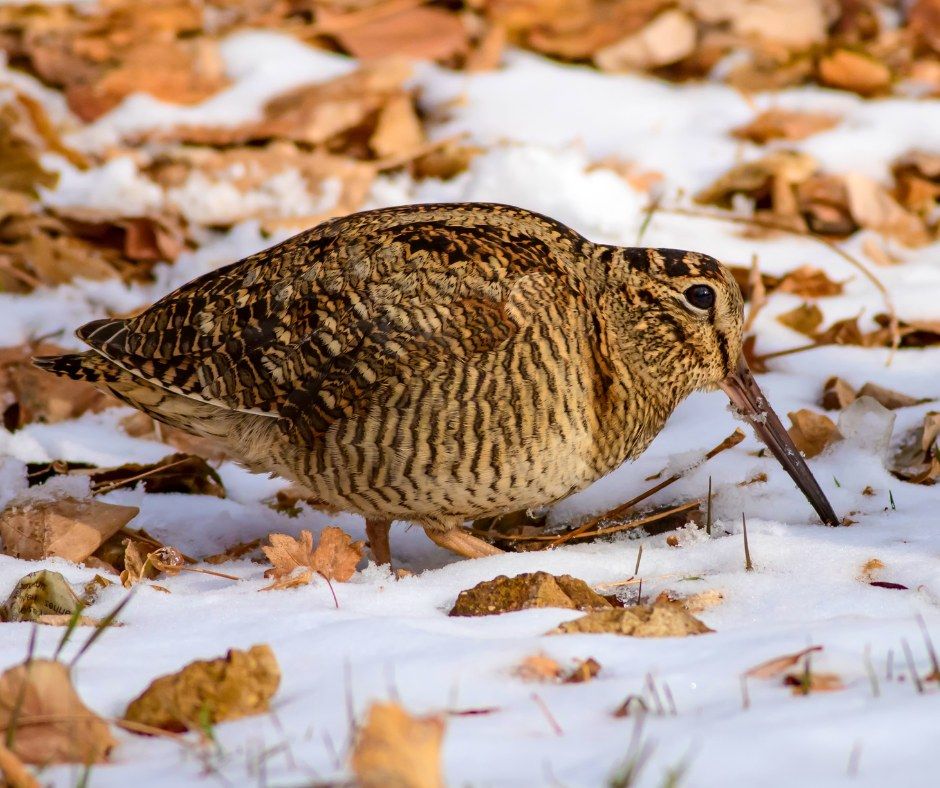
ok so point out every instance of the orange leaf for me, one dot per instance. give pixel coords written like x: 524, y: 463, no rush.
x: 776, y: 666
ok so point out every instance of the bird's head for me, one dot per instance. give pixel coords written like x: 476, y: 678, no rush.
x: 673, y: 323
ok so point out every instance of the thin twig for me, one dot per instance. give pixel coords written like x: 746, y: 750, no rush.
x: 548, y: 714
x: 748, y: 566
x: 912, y: 668
x: 769, y: 224
x: 708, y: 510
x: 618, y: 511
x: 109, y: 486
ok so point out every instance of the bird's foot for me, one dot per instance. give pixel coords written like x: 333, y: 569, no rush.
x: 377, y: 534
x: 459, y: 541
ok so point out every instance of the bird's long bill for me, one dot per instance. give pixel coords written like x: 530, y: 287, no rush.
x: 751, y: 403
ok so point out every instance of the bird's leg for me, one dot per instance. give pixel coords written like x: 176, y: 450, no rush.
x: 377, y: 534
x: 459, y: 541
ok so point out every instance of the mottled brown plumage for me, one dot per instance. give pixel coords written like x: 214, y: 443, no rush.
x: 432, y: 363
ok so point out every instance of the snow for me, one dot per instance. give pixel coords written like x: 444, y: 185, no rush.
x: 542, y: 125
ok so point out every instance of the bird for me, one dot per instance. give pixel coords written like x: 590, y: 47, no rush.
x: 436, y: 363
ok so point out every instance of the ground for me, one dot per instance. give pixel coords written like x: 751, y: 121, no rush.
x: 541, y: 126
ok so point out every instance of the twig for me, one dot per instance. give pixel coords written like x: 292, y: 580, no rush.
x: 768, y: 224
x: 748, y: 566
x: 870, y: 669
x: 758, y: 295
x: 646, y: 520
x: 912, y: 668
x: 732, y: 440
x: 708, y: 510
x: 548, y: 715
x: 639, y: 555
x: 108, y: 487
x: 931, y: 651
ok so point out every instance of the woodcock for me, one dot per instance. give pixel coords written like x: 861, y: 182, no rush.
x: 437, y: 363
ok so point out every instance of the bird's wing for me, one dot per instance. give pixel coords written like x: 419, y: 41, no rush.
x: 304, y: 330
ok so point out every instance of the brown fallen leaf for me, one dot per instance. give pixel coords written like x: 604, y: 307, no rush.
x: 539, y: 667
x: 918, y: 459
x: 49, y: 722
x: 806, y: 319
x: 537, y: 589
x: 807, y: 682
x: 917, y: 181
x: 177, y: 473
x: 694, y: 603
x: 778, y: 665
x: 855, y: 71
x: 869, y: 568
x: 874, y: 208
x: 398, y: 130
x: 20, y: 152
x: 40, y: 594
x: 666, y: 39
x: 233, y: 552
x: 395, y: 749
x: 809, y: 282
x: 784, y: 124
x: 13, y: 772
x: 29, y: 395
x: 769, y: 181
x: 661, y: 619
x: 837, y: 394
x: 137, y: 564
x: 237, y: 685
x: 294, y: 561
x: 823, y: 202
x: 812, y: 432
x: 67, y: 527
x: 887, y: 397
x: 398, y: 29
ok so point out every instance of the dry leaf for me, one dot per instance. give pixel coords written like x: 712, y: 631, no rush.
x: 812, y: 432
x: 918, y: 459
x: 233, y: 552
x: 395, y: 750
x: 28, y: 394
x: 67, y: 528
x: 237, y: 685
x: 774, y: 667
x: 809, y: 282
x: 13, y: 772
x: 795, y: 24
x: 854, y: 71
x: 40, y: 594
x: 924, y: 20
x: 668, y: 38
x: 887, y: 397
x: 661, y: 619
x: 137, y: 564
x: 872, y: 207
x: 805, y: 319
x: 768, y: 180
x: 695, y: 603
x: 177, y: 473
x: 537, y: 589
x: 784, y: 124
x: 824, y: 204
x: 50, y: 722
x: 398, y: 130
x: 20, y: 152
x: 540, y: 667
x: 809, y: 682
x: 418, y: 32
x: 869, y: 568
x: 295, y: 560
x: 837, y: 394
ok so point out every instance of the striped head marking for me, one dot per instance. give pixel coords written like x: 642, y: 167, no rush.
x: 675, y: 318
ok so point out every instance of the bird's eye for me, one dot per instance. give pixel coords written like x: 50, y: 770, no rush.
x: 700, y: 296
